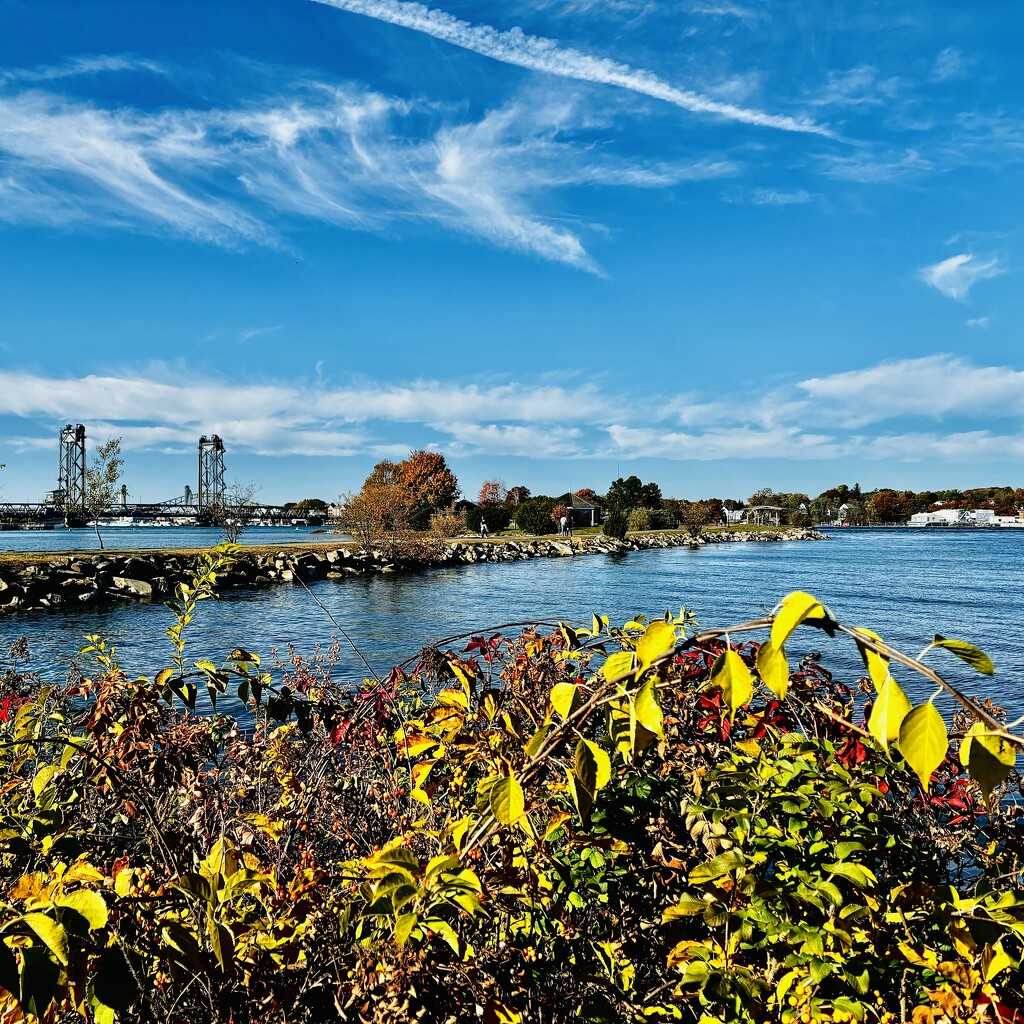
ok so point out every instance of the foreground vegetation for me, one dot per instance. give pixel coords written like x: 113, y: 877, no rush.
x: 590, y: 822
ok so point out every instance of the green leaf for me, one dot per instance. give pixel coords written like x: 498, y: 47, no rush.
x: 891, y: 708
x: 647, y: 709
x: 862, y: 877
x: 403, y: 926
x: 876, y: 664
x: 793, y: 609
x: 39, y: 975
x: 975, y: 657
x: 238, y: 654
x: 507, y: 800
x: 924, y: 741
x: 89, y: 904
x: 55, y: 937
x: 989, y: 759
x: 688, y: 906
x: 563, y: 695
x: 393, y: 857
x: 222, y: 941
x: 773, y: 668
x: 621, y: 663
x: 537, y: 740
x: 716, y: 867
x: 731, y: 674
x: 163, y: 676
x: 659, y: 638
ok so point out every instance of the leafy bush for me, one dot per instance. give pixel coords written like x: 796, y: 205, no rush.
x: 639, y: 519
x: 448, y: 523
x: 631, y: 824
x: 615, y: 525
x: 534, y: 515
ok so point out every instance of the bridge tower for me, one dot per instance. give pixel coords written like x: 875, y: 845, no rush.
x: 71, y: 479
x: 211, y: 473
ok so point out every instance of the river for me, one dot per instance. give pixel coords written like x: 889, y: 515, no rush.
x: 905, y: 584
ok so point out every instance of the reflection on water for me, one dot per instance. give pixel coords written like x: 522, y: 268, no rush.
x: 906, y: 585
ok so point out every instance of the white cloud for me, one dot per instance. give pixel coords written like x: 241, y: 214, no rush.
x: 950, y: 63
x: 545, y: 55
x: 930, y: 387
x: 328, y: 152
x: 940, y: 407
x: 780, y: 197
x: 978, y: 322
x: 955, y: 277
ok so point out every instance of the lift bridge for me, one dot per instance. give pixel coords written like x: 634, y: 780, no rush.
x: 68, y: 504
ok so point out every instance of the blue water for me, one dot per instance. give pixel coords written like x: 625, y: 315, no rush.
x: 161, y: 538
x: 905, y: 584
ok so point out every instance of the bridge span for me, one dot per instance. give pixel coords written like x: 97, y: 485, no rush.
x: 210, y: 504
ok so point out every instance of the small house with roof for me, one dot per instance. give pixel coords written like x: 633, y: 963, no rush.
x: 581, y: 513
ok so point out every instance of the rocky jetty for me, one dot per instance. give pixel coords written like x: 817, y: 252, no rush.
x: 84, y: 580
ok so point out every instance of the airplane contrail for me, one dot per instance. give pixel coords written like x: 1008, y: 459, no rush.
x: 539, y: 54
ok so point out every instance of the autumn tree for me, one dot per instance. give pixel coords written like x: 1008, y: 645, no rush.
x: 430, y: 484
x: 590, y: 496
x: 493, y: 494
x: 381, y: 512
x: 101, y: 477
x: 234, y: 512
x: 516, y: 496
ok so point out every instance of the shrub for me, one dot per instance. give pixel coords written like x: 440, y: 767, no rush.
x: 497, y: 518
x: 534, y: 515
x: 632, y: 823
x: 639, y: 519
x: 448, y: 523
x: 615, y: 525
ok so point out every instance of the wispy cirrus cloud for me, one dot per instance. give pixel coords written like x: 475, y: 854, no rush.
x: 335, y: 153
x: 537, y: 53
x: 957, y: 275
x: 237, y: 174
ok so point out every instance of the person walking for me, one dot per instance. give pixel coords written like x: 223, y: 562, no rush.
x: 484, y: 532
x: 561, y: 526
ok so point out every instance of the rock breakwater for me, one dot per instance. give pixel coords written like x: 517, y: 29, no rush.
x: 85, y: 580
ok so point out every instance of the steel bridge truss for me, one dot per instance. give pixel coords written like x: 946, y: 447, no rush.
x: 211, y: 473
x: 71, y: 478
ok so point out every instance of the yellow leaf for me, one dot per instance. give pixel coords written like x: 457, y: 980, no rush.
x: 994, y: 960
x: 659, y: 638
x: 876, y: 664
x: 924, y: 741
x: 773, y: 668
x: 975, y: 657
x: 51, y: 933
x: 416, y: 743
x: 890, y: 709
x: 453, y: 698
x: 647, y: 709
x: 562, y: 697
x: 989, y: 759
x: 794, y: 608
x: 598, y: 765
x: 89, y: 904
x: 618, y: 664
x: 731, y: 674
x: 507, y: 800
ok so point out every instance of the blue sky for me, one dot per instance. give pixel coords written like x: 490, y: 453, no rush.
x: 717, y: 243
